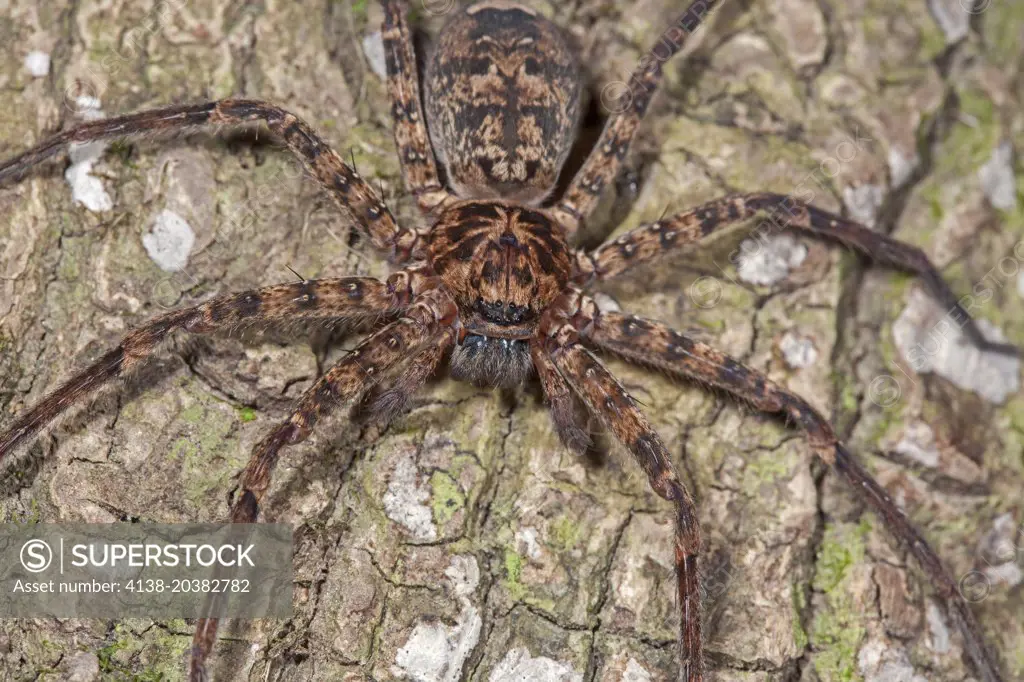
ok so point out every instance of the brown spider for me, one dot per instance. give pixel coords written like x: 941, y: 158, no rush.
x: 491, y: 284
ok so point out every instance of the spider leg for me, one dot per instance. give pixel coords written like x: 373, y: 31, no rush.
x: 350, y: 192
x: 419, y: 168
x: 602, y: 165
x: 606, y: 398
x: 565, y: 408
x: 425, y: 325
x: 650, y: 241
x: 389, y: 397
x: 655, y: 345
x: 324, y: 299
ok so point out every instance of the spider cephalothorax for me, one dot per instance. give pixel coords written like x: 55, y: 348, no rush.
x: 503, y: 264
x: 490, y: 286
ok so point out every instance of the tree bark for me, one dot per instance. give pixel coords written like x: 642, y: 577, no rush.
x: 464, y: 530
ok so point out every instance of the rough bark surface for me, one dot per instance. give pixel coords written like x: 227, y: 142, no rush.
x: 463, y: 542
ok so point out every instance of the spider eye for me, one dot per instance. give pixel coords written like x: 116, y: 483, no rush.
x: 503, y: 312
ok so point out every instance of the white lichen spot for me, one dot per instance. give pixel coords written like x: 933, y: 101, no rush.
x: 878, y: 662
x: 37, y: 63
x: 635, y: 672
x: 518, y: 666
x: 406, y: 501
x: 464, y: 575
x: 89, y: 107
x: 999, y: 550
x: 1001, y: 540
x: 169, y: 241
x: 798, y: 351
x: 863, y: 202
x: 918, y: 443
x: 1006, y: 576
x: 86, y: 189
x: 766, y: 260
x: 373, y: 48
x: 997, y: 179
x: 253, y: 657
x: 82, y: 667
x: 931, y: 341
x: 901, y: 166
x: 938, y: 632
x: 605, y: 303
x: 952, y: 18
x: 436, y: 652
x: 526, y: 539
x: 424, y: 657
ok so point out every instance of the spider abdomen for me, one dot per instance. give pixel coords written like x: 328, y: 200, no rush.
x: 502, y: 102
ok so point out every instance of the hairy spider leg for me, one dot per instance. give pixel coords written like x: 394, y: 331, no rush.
x: 651, y: 241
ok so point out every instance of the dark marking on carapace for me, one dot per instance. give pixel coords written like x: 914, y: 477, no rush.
x: 248, y: 304
x: 634, y: 326
x: 307, y: 296
x: 354, y: 290
x: 709, y: 220
x: 507, y: 268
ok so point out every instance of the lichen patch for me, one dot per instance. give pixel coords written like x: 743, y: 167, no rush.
x: 952, y: 18
x: 798, y: 351
x: 767, y: 261
x: 519, y: 665
x: 930, y: 341
x: 997, y: 178
x: 864, y: 202
x: 878, y: 662
x: 635, y: 672
x: 436, y: 652
x: 918, y: 443
x: 87, y: 189
x: 169, y: 241
x: 37, y: 63
x: 407, y: 501
x: 373, y: 48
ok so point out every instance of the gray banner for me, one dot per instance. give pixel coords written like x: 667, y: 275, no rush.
x: 145, y: 570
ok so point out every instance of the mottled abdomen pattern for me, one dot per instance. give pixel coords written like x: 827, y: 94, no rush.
x: 502, y: 102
